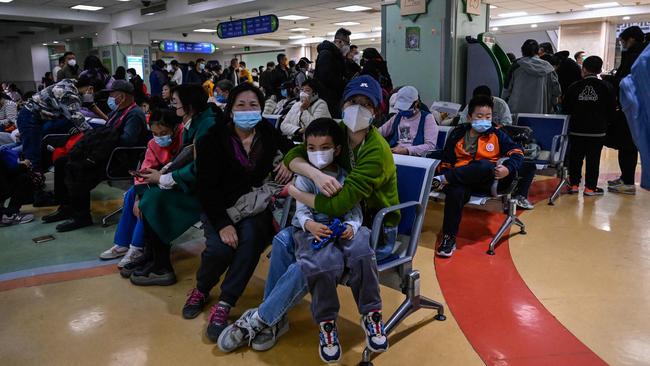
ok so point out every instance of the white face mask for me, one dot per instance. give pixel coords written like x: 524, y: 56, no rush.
x: 305, y: 96
x: 357, y: 58
x: 72, y: 62
x: 321, y: 159
x: 356, y: 117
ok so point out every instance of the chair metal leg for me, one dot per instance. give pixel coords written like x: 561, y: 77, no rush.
x: 521, y: 224
x: 563, y: 182
x: 110, y: 215
x: 511, y: 211
x: 411, y: 304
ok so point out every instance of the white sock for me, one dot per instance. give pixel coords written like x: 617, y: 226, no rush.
x: 441, y: 178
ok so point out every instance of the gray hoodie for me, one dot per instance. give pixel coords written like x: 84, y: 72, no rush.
x: 531, y: 86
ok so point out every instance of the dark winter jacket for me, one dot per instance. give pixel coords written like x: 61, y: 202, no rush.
x: 492, y: 145
x: 157, y: 79
x: 591, y: 103
x: 568, y: 73
x: 330, y: 73
x: 221, y: 176
x: 278, y: 77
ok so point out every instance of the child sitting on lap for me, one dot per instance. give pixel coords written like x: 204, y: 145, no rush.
x: 350, y: 253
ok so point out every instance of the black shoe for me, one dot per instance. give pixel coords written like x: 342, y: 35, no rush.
x: 61, y: 214
x: 45, y: 199
x: 447, y: 247
x: 194, y: 304
x: 164, y: 277
x: 218, y: 321
x: 74, y: 224
x: 144, y: 270
x: 137, y: 265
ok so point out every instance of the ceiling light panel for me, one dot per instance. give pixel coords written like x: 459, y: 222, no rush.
x: 293, y: 17
x: 87, y: 7
x: 354, y: 8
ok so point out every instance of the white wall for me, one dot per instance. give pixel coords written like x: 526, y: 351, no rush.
x: 511, y: 42
x: 17, y: 60
x: 40, y: 61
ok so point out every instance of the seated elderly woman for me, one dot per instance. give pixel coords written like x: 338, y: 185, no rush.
x: 411, y: 131
x: 310, y: 108
x: 232, y: 159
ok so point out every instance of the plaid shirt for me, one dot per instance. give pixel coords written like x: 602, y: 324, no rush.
x: 60, y: 100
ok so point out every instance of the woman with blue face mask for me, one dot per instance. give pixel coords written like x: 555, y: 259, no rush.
x: 411, y: 131
x: 470, y: 164
x: 231, y: 160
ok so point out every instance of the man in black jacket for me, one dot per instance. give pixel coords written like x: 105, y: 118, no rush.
x: 591, y: 102
x: 265, y: 79
x: 197, y: 75
x: 568, y: 71
x: 619, y: 136
x: 330, y: 70
x: 279, y: 76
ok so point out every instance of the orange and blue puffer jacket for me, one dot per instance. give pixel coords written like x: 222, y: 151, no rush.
x: 492, y: 145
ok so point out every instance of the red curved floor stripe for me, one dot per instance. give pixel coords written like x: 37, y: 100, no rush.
x: 502, y: 319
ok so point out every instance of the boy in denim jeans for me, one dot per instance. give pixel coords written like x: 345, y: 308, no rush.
x: 350, y: 253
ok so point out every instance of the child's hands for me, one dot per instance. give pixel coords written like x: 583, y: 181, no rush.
x: 319, y: 231
x: 348, y: 234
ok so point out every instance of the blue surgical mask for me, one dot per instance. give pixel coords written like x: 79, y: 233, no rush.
x: 221, y: 99
x: 481, y: 125
x: 406, y: 114
x: 246, y: 120
x: 284, y: 93
x: 163, y: 141
x: 112, y: 104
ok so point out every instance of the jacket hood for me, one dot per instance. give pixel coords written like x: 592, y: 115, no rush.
x: 535, y: 66
x: 327, y: 45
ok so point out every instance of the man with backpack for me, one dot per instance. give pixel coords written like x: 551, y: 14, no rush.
x: 84, y: 167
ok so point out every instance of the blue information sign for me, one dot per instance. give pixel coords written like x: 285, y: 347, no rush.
x: 187, y: 47
x: 248, y: 27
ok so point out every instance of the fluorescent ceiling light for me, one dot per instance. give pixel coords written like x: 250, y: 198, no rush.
x: 298, y: 29
x: 347, y: 23
x: 297, y: 37
x: 493, y: 7
x: 372, y: 39
x: 55, y: 42
x: 233, y: 46
x: 352, y: 8
x: 149, y: 14
x: 626, y: 18
x: 87, y: 7
x: 156, y: 41
x: 495, y: 28
x: 44, y: 44
x: 331, y: 33
x: 514, y: 14
x: 601, y: 5
x: 6, y: 1
x: 533, y: 25
x: 205, y: 30
x: 293, y: 17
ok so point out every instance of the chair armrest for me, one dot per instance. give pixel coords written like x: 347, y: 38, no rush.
x: 378, y: 221
x: 116, y: 150
x: 495, y: 185
x: 556, y: 147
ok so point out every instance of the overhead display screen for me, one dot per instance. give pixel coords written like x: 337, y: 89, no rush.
x: 187, y: 47
x: 248, y: 27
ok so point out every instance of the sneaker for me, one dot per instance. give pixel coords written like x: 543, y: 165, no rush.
x: 623, y: 189
x: 115, y: 251
x: 218, y: 321
x: 136, y: 266
x: 447, y: 247
x: 573, y: 189
x: 437, y: 184
x: 593, y: 192
x: 615, y: 183
x: 17, y: 218
x: 268, y: 336
x: 329, y: 347
x: 241, y: 332
x: 376, y: 338
x: 132, y: 255
x: 155, y: 278
x: 194, y: 304
x: 524, y: 203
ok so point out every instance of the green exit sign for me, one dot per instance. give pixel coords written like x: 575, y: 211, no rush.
x: 247, y: 49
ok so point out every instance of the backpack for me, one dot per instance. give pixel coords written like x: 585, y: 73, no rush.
x: 523, y: 136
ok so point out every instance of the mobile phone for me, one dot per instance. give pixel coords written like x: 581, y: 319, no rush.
x: 135, y: 173
x: 43, y: 239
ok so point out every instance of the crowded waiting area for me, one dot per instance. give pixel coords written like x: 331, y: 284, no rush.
x: 180, y: 179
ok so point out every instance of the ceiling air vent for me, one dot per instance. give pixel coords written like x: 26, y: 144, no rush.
x: 65, y: 29
x: 154, y: 9
x: 26, y: 33
x: 192, y: 2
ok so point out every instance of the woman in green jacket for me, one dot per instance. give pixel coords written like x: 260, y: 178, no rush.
x: 167, y: 204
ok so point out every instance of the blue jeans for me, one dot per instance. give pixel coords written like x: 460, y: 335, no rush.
x: 285, y: 284
x: 130, y: 229
x: 32, y: 129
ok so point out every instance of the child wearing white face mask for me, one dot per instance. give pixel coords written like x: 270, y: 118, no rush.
x: 323, y: 267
